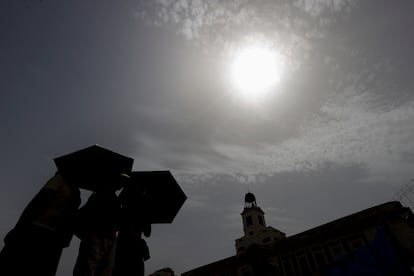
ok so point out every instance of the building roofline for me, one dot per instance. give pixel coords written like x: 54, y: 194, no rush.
x: 372, y: 215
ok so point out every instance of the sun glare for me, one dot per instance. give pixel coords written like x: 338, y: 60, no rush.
x: 255, y: 71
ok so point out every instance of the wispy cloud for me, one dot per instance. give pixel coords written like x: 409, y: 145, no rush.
x: 348, y: 125
x: 348, y: 130
x: 222, y: 25
x: 318, y: 7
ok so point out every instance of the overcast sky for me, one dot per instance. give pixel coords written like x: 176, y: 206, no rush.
x: 149, y: 79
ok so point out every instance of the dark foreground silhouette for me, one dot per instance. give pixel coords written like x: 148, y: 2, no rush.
x: 35, y: 244
x: 110, y: 227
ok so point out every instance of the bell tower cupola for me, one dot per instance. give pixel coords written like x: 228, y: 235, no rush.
x: 249, y: 200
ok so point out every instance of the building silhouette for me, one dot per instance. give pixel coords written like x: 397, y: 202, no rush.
x: 254, y: 227
x: 375, y: 241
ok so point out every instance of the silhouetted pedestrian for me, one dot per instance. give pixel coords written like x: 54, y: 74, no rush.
x: 131, y: 252
x: 46, y: 226
x: 98, y: 221
x: 131, y: 248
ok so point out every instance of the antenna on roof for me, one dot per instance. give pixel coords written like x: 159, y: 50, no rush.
x: 406, y: 194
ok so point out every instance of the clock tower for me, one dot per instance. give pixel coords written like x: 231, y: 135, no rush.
x: 254, y: 227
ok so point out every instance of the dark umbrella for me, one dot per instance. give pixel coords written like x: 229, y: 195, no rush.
x: 92, y: 167
x: 157, y: 193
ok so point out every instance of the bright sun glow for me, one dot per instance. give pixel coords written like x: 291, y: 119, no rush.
x: 255, y: 71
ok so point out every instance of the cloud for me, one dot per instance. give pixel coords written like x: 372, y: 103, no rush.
x: 338, y: 106
x: 318, y: 7
x: 223, y: 26
x: 348, y: 130
x: 220, y: 22
x: 350, y: 127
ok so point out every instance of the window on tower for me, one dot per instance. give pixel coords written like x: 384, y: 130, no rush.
x: 261, y: 220
x: 249, y: 220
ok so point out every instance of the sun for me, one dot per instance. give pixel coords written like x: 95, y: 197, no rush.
x: 255, y: 71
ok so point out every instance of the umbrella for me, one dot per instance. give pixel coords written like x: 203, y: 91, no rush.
x: 91, y: 168
x: 157, y: 193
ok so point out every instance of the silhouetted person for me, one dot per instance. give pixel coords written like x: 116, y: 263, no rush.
x: 46, y: 226
x: 98, y: 223
x: 131, y: 248
x: 131, y: 252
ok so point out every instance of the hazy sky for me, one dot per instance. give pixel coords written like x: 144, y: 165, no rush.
x: 149, y: 79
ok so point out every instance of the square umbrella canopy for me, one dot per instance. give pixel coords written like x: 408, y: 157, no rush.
x: 156, y: 192
x: 93, y: 167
